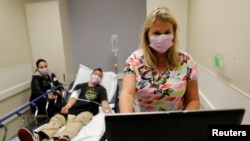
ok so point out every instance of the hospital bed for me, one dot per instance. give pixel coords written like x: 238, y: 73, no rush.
x: 95, y: 129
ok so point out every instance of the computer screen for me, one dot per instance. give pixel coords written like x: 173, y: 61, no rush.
x: 168, y: 126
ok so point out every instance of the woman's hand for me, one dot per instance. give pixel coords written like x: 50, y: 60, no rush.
x: 58, y: 92
x: 51, y: 96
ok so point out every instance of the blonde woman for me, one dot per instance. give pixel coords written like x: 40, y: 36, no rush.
x: 158, y: 76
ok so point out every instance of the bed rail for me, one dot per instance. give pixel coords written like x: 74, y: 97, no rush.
x: 19, y: 110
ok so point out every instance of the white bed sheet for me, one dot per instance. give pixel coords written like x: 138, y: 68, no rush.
x: 93, y: 131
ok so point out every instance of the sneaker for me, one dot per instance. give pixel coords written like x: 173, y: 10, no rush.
x: 25, y: 135
x: 63, y: 139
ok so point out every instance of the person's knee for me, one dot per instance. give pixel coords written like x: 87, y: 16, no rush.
x: 60, y: 118
x: 85, y: 117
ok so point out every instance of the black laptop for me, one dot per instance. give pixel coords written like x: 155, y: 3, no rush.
x: 168, y: 126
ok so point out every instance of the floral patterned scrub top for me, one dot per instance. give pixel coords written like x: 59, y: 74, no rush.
x: 160, y: 92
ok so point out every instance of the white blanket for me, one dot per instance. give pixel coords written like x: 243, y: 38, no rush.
x: 93, y: 131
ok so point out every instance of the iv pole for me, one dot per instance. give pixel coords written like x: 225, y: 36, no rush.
x: 115, y: 64
x: 114, y: 41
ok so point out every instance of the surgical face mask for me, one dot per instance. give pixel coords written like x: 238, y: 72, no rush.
x: 161, y: 43
x: 44, y: 71
x: 95, y: 79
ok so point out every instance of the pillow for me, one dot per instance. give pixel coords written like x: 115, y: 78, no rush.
x: 109, y: 80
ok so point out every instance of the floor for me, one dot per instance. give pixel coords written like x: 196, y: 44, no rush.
x: 32, y: 126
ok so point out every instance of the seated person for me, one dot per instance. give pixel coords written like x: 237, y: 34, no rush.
x: 83, y: 104
x: 42, y: 82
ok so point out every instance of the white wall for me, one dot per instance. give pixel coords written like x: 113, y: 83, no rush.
x: 15, y: 62
x: 221, y: 27
x: 14, y: 41
x: 49, y: 35
x: 215, y: 93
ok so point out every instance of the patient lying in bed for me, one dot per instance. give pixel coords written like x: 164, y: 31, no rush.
x: 84, y: 103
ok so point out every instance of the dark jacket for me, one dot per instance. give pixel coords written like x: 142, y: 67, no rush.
x: 39, y: 86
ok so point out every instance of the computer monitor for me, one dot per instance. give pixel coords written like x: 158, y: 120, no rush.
x: 168, y: 126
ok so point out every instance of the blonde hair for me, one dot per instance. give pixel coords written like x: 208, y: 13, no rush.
x: 172, y: 56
